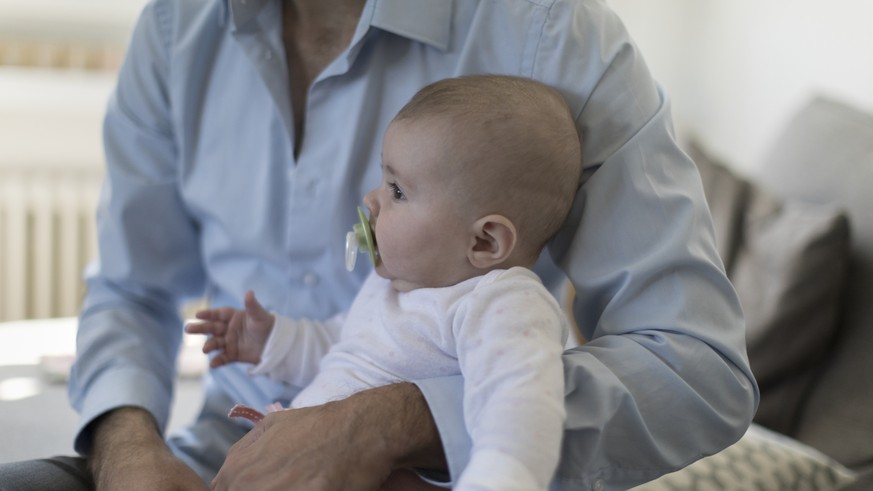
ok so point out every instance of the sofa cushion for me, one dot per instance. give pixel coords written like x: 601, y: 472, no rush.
x: 761, y: 460
x: 789, y: 272
x: 787, y: 261
x: 825, y: 155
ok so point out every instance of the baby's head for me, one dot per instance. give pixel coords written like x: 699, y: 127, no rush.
x: 478, y: 173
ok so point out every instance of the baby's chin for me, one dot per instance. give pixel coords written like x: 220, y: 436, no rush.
x: 397, y: 284
x: 403, y: 286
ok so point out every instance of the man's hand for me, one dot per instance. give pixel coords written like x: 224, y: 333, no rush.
x: 352, y: 444
x: 128, y: 453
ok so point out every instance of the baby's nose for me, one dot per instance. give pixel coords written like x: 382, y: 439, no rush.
x: 371, y: 202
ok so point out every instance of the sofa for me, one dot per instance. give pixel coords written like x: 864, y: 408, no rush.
x: 796, y: 238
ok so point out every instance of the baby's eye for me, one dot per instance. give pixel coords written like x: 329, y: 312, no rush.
x: 396, y: 192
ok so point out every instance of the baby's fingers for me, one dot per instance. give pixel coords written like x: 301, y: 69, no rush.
x: 222, y: 314
x: 213, y: 344
x: 206, y: 327
x: 196, y: 328
x: 218, y: 360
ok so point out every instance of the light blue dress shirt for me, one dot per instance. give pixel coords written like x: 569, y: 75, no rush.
x: 204, y: 195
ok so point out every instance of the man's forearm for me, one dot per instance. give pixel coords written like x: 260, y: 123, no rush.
x: 129, y: 452
x: 403, y: 424
x: 352, y: 443
x: 123, y: 428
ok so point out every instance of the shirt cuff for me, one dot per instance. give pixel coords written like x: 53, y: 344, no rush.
x: 445, y: 399
x: 121, y: 388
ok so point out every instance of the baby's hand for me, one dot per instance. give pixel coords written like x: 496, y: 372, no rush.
x: 240, y: 335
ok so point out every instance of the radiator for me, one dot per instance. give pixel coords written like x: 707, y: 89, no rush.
x: 47, y: 236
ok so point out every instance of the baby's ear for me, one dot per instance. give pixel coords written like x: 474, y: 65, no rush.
x: 493, y: 240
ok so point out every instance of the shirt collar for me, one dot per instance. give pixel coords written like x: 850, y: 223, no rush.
x: 242, y: 11
x: 427, y: 21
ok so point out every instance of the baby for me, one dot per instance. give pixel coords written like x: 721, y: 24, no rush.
x: 478, y: 174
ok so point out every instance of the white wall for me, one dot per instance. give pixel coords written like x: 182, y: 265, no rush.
x: 51, y: 100
x: 58, y: 60
x: 96, y: 20
x: 737, y: 69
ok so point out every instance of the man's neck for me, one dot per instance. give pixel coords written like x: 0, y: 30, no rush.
x: 314, y: 33
x: 327, y: 14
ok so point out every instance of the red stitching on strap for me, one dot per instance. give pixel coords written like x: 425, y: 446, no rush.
x: 243, y: 411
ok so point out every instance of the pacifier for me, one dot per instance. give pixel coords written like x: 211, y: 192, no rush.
x: 360, y: 238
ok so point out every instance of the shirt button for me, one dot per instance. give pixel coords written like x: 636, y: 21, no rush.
x: 310, y: 279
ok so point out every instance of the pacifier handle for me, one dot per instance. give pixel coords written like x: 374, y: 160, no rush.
x: 360, y: 237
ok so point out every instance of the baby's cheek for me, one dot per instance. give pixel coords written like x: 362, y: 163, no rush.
x: 382, y: 271
x: 387, y: 254
x: 393, y: 263
x: 387, y: 260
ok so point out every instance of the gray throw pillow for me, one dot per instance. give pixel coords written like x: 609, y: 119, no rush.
x: 787, y: 261
x: 824, y: 154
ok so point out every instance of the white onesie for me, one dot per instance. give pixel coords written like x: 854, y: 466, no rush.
x: 503, y: 331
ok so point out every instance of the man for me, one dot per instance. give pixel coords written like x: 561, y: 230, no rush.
x: 220, y: 97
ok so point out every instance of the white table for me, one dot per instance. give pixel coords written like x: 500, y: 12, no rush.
x: 35, y: 417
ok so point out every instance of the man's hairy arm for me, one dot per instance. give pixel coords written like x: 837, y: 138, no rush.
x: 351, y: 444
x: 128, y: 452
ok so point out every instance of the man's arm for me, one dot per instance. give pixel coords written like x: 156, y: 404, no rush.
x: 129, y: 331
x: 665, y: 325
x: 354, y: 443
x: 128, y: 448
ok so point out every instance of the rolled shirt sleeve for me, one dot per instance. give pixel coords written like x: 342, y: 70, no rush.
x: 149, y: 255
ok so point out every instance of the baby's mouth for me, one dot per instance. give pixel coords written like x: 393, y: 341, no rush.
x: 362, y: 237
x: 377, y: 257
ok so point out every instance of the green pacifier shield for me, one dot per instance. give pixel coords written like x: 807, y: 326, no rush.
x: 361, y: 237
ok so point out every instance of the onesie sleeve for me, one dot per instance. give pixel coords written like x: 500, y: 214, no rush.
x: 294, y: 350
x: 510, y: 334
